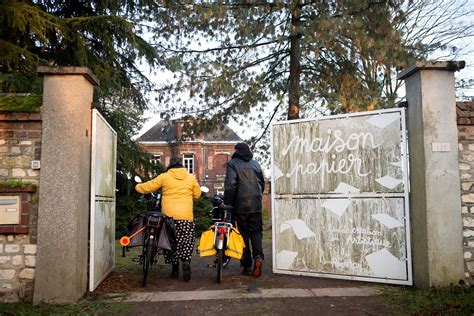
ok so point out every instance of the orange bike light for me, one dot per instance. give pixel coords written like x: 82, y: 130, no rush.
x: 125, y: 241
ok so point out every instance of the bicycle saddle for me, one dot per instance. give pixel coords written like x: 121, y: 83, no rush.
x: 155, y: 214
x: 225, y: 207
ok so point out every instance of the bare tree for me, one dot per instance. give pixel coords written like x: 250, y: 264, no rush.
x: 256, y: 61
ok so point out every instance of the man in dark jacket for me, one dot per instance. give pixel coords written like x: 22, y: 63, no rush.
x: 243, y: 187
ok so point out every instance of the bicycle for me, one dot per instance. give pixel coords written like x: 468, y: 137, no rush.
x: 147, y: 258
x: 222, y: 218
x: 222, y: 239
x: 149, y: 233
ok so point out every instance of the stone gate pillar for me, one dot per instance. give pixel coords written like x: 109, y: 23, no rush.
x: 63, y: 214
x: 435, y: 198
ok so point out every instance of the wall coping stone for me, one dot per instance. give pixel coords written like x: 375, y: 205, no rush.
x: 54, y: 71
x: 30, y: 188
x: 20, y: 116
x: 431, y: 65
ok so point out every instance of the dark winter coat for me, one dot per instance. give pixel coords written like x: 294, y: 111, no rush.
x: 244, y: 182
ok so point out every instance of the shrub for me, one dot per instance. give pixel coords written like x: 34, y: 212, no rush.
x: 202, y: 215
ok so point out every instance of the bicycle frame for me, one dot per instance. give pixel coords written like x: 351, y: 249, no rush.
x: 222, y: 229
x: 150, y: 249
x: 152, y: 230
x: 221, y: 234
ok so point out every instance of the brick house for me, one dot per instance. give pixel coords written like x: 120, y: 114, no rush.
x: 205, y: 155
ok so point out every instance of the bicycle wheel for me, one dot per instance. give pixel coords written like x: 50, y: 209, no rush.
x: 220, y: 258
x: 225, y: 261
x: 147, y: 261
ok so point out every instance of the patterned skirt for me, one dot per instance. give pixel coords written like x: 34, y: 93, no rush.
x: 184, y: 242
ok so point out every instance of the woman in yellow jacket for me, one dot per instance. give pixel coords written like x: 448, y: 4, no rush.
x: 178, y: 189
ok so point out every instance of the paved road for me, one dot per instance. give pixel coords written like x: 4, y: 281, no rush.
x: 272, y: 294
x: 136, y: 297
x: 325, y: 301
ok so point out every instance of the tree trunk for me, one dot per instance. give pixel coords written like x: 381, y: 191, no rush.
x: 295, y: 68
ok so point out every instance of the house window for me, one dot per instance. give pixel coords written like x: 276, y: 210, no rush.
x: 188, y: 162
x: 220, y: 191
x: 156, y: 159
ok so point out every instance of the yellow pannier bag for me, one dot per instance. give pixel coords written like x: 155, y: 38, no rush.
x: 236, y: 245
x: 206, y: 243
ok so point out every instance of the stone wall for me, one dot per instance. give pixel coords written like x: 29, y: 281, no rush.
x: 20, y: 143
x: 465, y: 114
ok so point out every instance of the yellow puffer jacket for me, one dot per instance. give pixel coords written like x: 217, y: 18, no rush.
x: 178, y: 188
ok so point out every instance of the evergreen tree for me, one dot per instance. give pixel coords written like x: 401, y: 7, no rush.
x: 102, y: 35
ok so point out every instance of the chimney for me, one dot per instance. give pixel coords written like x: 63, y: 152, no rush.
x: 178, y: 128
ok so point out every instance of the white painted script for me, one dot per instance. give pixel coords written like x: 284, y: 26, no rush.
x: 366, y: 240
x: 333, y: 142
x: 355, y: 230
x: 345, y: 265
x: 341, y: 166
x: 358, y: 236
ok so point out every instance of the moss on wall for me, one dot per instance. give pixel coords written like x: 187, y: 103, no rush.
x: 24, y: 102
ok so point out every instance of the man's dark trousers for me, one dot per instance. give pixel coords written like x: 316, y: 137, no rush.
x: 250, y: 227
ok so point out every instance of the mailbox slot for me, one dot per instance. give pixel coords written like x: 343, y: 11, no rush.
x: 10, y: 210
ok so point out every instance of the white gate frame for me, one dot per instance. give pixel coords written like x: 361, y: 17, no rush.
x: 405, y: 195
x: 96, y: 236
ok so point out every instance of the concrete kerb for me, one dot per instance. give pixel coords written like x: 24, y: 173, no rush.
x: 240, y: 294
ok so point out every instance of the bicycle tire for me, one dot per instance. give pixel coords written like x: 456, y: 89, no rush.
x: 220, y: 258
x: 143, y: 262
x: 148, y: 260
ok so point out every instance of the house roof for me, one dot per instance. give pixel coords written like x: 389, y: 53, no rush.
x: 163, y: 131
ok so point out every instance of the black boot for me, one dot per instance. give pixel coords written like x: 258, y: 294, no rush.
x: 186, y: 271
x: 247, y: 271
x: 175, y: 271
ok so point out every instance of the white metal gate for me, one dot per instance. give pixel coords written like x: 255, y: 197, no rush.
x: 340, y: 197
x: 102, y: 217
